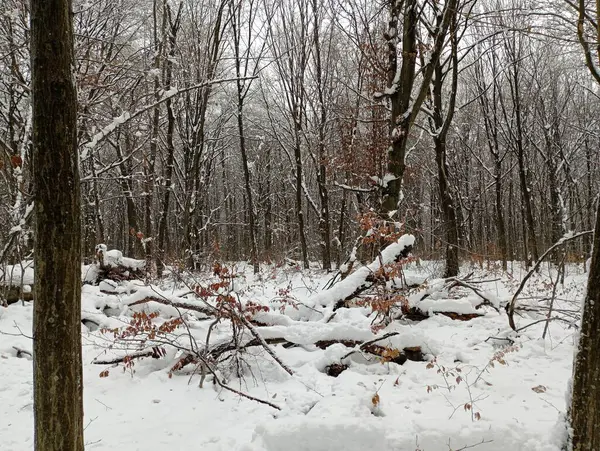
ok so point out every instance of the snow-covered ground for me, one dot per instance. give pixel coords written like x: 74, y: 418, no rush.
x: 471, y: 390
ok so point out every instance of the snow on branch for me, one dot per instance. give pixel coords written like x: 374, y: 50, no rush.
x: 126, y: 116
x: 358, y: 280
x: 510, y: 307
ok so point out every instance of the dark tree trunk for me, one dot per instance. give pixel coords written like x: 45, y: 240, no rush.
x: 405, y: 100
x: 299, y: 212
x: 58, y: 389
x: 585, y: 402
x: 247, y: 185
x: 324, y: 217
x: 242, y: 90
x: 126, y: 171
x: 448, y: 211
x: 500, y: 215
x: 441, y: 126
x: 585, y: 405
x: 531, y: 246
x: 268, y: 242
x: 164, y: 215
x: 401, y: 98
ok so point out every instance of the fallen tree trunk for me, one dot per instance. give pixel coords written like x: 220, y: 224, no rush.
x: 399, y: 356
x: 365, y: 277
x: 12, y: 293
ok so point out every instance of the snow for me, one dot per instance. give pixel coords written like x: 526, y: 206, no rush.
x: 114, y: 258
x: 116, y: 122
x: 19, y: 274
x: 383, y: 182
x: 418, y: 407
x: 346, y: 287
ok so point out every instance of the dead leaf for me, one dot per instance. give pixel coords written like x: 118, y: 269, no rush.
x: 375, y: 399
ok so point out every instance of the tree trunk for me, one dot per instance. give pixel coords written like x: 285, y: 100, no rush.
x: 400, y: 99
x: 164, y: 215
x: 324, y: 217
x: 299, y: 212
x: 440, y: 133
x: 585, y: 405
x: 247, y: 185
x: 499, y: 214
x: 448, y: 211
x: 242, y: 90
x: 268, y: 240
x: 58, y: 389
x: 531, y: 238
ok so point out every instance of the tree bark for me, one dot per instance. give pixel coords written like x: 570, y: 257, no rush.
x: 242, y: 90
x: 531, y: 238
x: 441, y: 126
x: 585, y: 405
x: 585, y: 401
x: 58, y: 390
x: 164, y: 215
x: 324, y: 216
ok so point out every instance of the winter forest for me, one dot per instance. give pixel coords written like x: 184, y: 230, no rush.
x: 268, y: 225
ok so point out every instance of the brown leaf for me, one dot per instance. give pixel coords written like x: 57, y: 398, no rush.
x: 16, y: 161
x: 539, y: 389
x: 375, y: 399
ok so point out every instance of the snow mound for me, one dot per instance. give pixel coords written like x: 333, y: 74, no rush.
x: 114, y: 258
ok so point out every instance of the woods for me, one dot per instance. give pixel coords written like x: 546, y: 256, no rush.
x: 323, y: 118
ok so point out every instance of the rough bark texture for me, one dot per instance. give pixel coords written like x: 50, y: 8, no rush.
x: 405, y: 102
x: 173, y: 28
x: 585, y: 406
x: 58, y: 406
x: 440, y: 134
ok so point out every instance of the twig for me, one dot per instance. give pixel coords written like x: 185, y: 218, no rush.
x: 264, y: 344
x: 553, y: 297
x: 501, y: 338
x: 510, y: 308
x: 476, y: 290
x: 544, y: 320
x: 482, y: 442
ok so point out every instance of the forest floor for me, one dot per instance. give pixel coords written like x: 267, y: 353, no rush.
x: 492, y: 394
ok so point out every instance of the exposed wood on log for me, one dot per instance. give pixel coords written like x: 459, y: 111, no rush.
x: 119, y: 273
x: 335, y: 369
